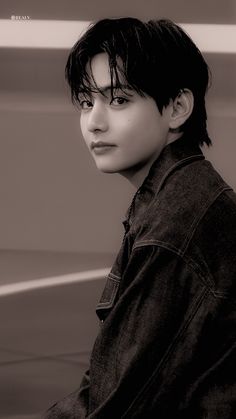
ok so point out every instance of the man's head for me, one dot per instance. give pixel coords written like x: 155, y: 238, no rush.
x: 139, y: 86
x: 157, y: 58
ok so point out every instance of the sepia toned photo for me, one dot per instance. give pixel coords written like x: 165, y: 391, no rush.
x: 118, y: 210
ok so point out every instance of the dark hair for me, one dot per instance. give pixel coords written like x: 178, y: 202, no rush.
x: 158, y: 59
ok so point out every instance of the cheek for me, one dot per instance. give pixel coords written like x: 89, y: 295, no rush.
x: 83, y: 129
x: 144, y: 119
x: 81, y: 123
x: 131, y: 126
x: 142, y: 126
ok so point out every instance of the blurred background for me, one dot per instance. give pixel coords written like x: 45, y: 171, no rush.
x: 60, y: 219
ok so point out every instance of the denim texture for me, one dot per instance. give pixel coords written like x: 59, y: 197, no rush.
x: 166, y: 346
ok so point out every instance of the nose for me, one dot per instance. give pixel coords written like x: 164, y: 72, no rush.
x: 97, y: 118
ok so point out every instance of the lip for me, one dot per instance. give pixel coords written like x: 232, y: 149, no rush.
x: 100, y: 144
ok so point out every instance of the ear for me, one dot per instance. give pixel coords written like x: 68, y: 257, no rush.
x: 182, y: 107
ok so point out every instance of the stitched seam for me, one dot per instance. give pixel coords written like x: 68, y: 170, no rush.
x: 223, y: 295
x: 160, y: 243
x: 189, y: 262
x: 197, y: 303
x: 193, y: 227
x: 196, y: 221
x: 108, y: 304
x: 114, y: 277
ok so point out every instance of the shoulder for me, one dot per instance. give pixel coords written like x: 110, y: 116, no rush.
x: 194, y: 216
x: 189, y: 196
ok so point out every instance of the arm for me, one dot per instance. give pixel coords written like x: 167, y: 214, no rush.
x: 165, y: 344
x: 73, y: 405
x: 158, y: 352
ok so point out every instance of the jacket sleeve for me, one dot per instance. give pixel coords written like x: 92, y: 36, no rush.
x: 165, y: 348
x: 75, y: 405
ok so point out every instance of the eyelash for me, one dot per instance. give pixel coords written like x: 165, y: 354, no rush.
x: 124, y: 100
x: 82, y: 103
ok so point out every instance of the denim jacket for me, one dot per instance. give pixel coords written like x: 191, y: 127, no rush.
x: 166, y: 346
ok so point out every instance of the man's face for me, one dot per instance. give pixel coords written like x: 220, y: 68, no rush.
x: 123, y: 132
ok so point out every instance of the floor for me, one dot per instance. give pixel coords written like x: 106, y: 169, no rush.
x: 46, y: 333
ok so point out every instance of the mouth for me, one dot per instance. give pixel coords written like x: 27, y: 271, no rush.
x: 100, y: 145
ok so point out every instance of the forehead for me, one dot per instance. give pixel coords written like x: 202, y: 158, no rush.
x: 99, y: 70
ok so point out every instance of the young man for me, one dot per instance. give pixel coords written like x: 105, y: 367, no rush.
x: 166, y: 347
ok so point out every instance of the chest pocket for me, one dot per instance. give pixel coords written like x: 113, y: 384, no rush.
x: 108, y: 297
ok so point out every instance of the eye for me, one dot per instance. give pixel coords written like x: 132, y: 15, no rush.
x: 118, y: 100
x: 85, y: 104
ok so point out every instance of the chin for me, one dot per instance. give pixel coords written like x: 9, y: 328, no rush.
x: 106, y: 169
x: 114, y: 167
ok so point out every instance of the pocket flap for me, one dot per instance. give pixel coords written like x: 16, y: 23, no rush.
x: 108, y: 297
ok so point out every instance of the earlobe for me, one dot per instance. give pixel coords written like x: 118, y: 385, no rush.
x: 182, y: 107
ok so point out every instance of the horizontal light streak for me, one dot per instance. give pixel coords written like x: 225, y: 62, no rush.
x: 54, y: 281
x: 51, y: 34
x: 213, y: 38
x: 59, y: 34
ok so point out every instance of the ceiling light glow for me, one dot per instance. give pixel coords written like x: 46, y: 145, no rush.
x: 59, y: 34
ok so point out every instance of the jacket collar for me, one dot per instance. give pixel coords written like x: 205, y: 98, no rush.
x: 179, y: 153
